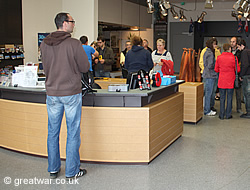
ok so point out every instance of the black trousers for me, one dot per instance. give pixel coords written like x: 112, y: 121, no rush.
x: 238, y: 98
x: 246, y: 92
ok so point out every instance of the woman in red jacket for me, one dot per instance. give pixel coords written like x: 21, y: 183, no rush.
x: 225, y: 66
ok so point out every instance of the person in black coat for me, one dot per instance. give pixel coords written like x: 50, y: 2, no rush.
x: 138, y: 58
x: 245, y: 78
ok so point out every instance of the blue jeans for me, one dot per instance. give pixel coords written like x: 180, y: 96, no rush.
x: 101, y: 73
x: 209, y: 86
x: 212, y: 102
x: 56, y: 105
x: 223, y: 94
x: 214, y: 93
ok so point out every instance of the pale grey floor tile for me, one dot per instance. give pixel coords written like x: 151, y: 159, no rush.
x: 212, y: 155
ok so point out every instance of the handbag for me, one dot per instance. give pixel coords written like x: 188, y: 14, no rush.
x: 236, y: 82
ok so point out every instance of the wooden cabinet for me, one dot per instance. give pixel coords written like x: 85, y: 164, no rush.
x: 193, y: 101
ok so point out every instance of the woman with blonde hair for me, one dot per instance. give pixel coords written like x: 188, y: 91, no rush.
x: 159, y: 54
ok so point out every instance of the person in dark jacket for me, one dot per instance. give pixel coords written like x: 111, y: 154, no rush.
x: 64, y: 59
x: 225, y: 66
x: 138, y: 58
x: 245, y: 78
x: 209, y: 75
x: 128, y: 46
x: 106, y: 59
x: 237, y: 52
x: 145, y: 45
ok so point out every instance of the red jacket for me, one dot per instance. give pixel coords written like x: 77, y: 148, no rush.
x: 225, y: 66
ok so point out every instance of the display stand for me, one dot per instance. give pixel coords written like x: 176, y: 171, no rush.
x: 193, y: 101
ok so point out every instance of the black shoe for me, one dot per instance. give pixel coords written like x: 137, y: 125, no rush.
x: 221, y: 117
x: 230, y: 117
x: 245, y: 116
x: 81, y: 173
x: 217, y: 98
x: 54, y: 175
x: 213, y: 109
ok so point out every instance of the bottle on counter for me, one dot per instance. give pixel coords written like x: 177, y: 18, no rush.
x: 18, y: 54
x: 13, y: 53
x: 21, y: 52
x: 7, y: 53
x: 2, y: 53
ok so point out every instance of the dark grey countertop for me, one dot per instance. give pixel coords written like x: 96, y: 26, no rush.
x: 101, y: 98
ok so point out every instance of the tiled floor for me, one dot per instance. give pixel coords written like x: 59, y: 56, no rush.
x: 212, y: 155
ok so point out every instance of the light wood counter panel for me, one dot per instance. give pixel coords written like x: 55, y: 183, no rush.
x: 193, y: 101
x: 109, y: 134
x: 104, y: 83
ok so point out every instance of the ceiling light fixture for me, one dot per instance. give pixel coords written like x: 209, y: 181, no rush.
x: 150, y: 6
x: 209, y: 4
x: 243, y: 7
x: 233, y: 14
x: 238, y: 4
x: 247, y: 13
x: 182, y: 16
x: 166, y: 4
x: 135, y: 28
x: 164, y: 12
x: 174, y: 13
x: 201, y: 18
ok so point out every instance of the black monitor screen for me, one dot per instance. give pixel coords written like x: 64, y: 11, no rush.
x: 132, y: 80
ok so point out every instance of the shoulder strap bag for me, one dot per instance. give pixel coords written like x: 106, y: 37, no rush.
x: 236, y: 82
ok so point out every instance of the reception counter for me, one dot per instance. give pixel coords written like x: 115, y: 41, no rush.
x: 112, y: 129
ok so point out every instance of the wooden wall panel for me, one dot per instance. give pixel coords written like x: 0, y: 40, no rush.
x: 166, y: 123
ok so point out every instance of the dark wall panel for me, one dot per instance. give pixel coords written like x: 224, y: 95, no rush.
x: 219, y: 29
x: 11, y: 22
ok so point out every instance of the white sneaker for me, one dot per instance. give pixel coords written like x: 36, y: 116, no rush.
x: 211, y: 113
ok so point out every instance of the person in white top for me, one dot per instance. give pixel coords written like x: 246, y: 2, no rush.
x: 160, y: 53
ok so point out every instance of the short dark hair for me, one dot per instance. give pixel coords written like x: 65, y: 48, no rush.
x: 100, y: 38
x: 60, y: 18
x: 84, y: 39
x: 241, y: 42
x: 136, y: 40
x: 236, y: 39
x: 226, y: 47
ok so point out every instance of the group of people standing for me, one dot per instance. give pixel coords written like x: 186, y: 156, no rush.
x: 101, y: 57
x: 221, y: 70
x: 138, y: 55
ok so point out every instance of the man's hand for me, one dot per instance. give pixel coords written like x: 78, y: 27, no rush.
x: 102, y: 61
x: 241, y: 79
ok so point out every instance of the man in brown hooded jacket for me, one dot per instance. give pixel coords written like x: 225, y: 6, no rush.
x: 63, y: 61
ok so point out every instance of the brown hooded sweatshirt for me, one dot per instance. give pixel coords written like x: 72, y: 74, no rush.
x: 63, y: 61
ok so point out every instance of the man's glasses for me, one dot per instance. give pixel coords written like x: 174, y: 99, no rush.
x: 70, y: 21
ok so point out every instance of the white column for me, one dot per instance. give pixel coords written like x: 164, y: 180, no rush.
x: 85, y: 13
x: 38, y: 17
